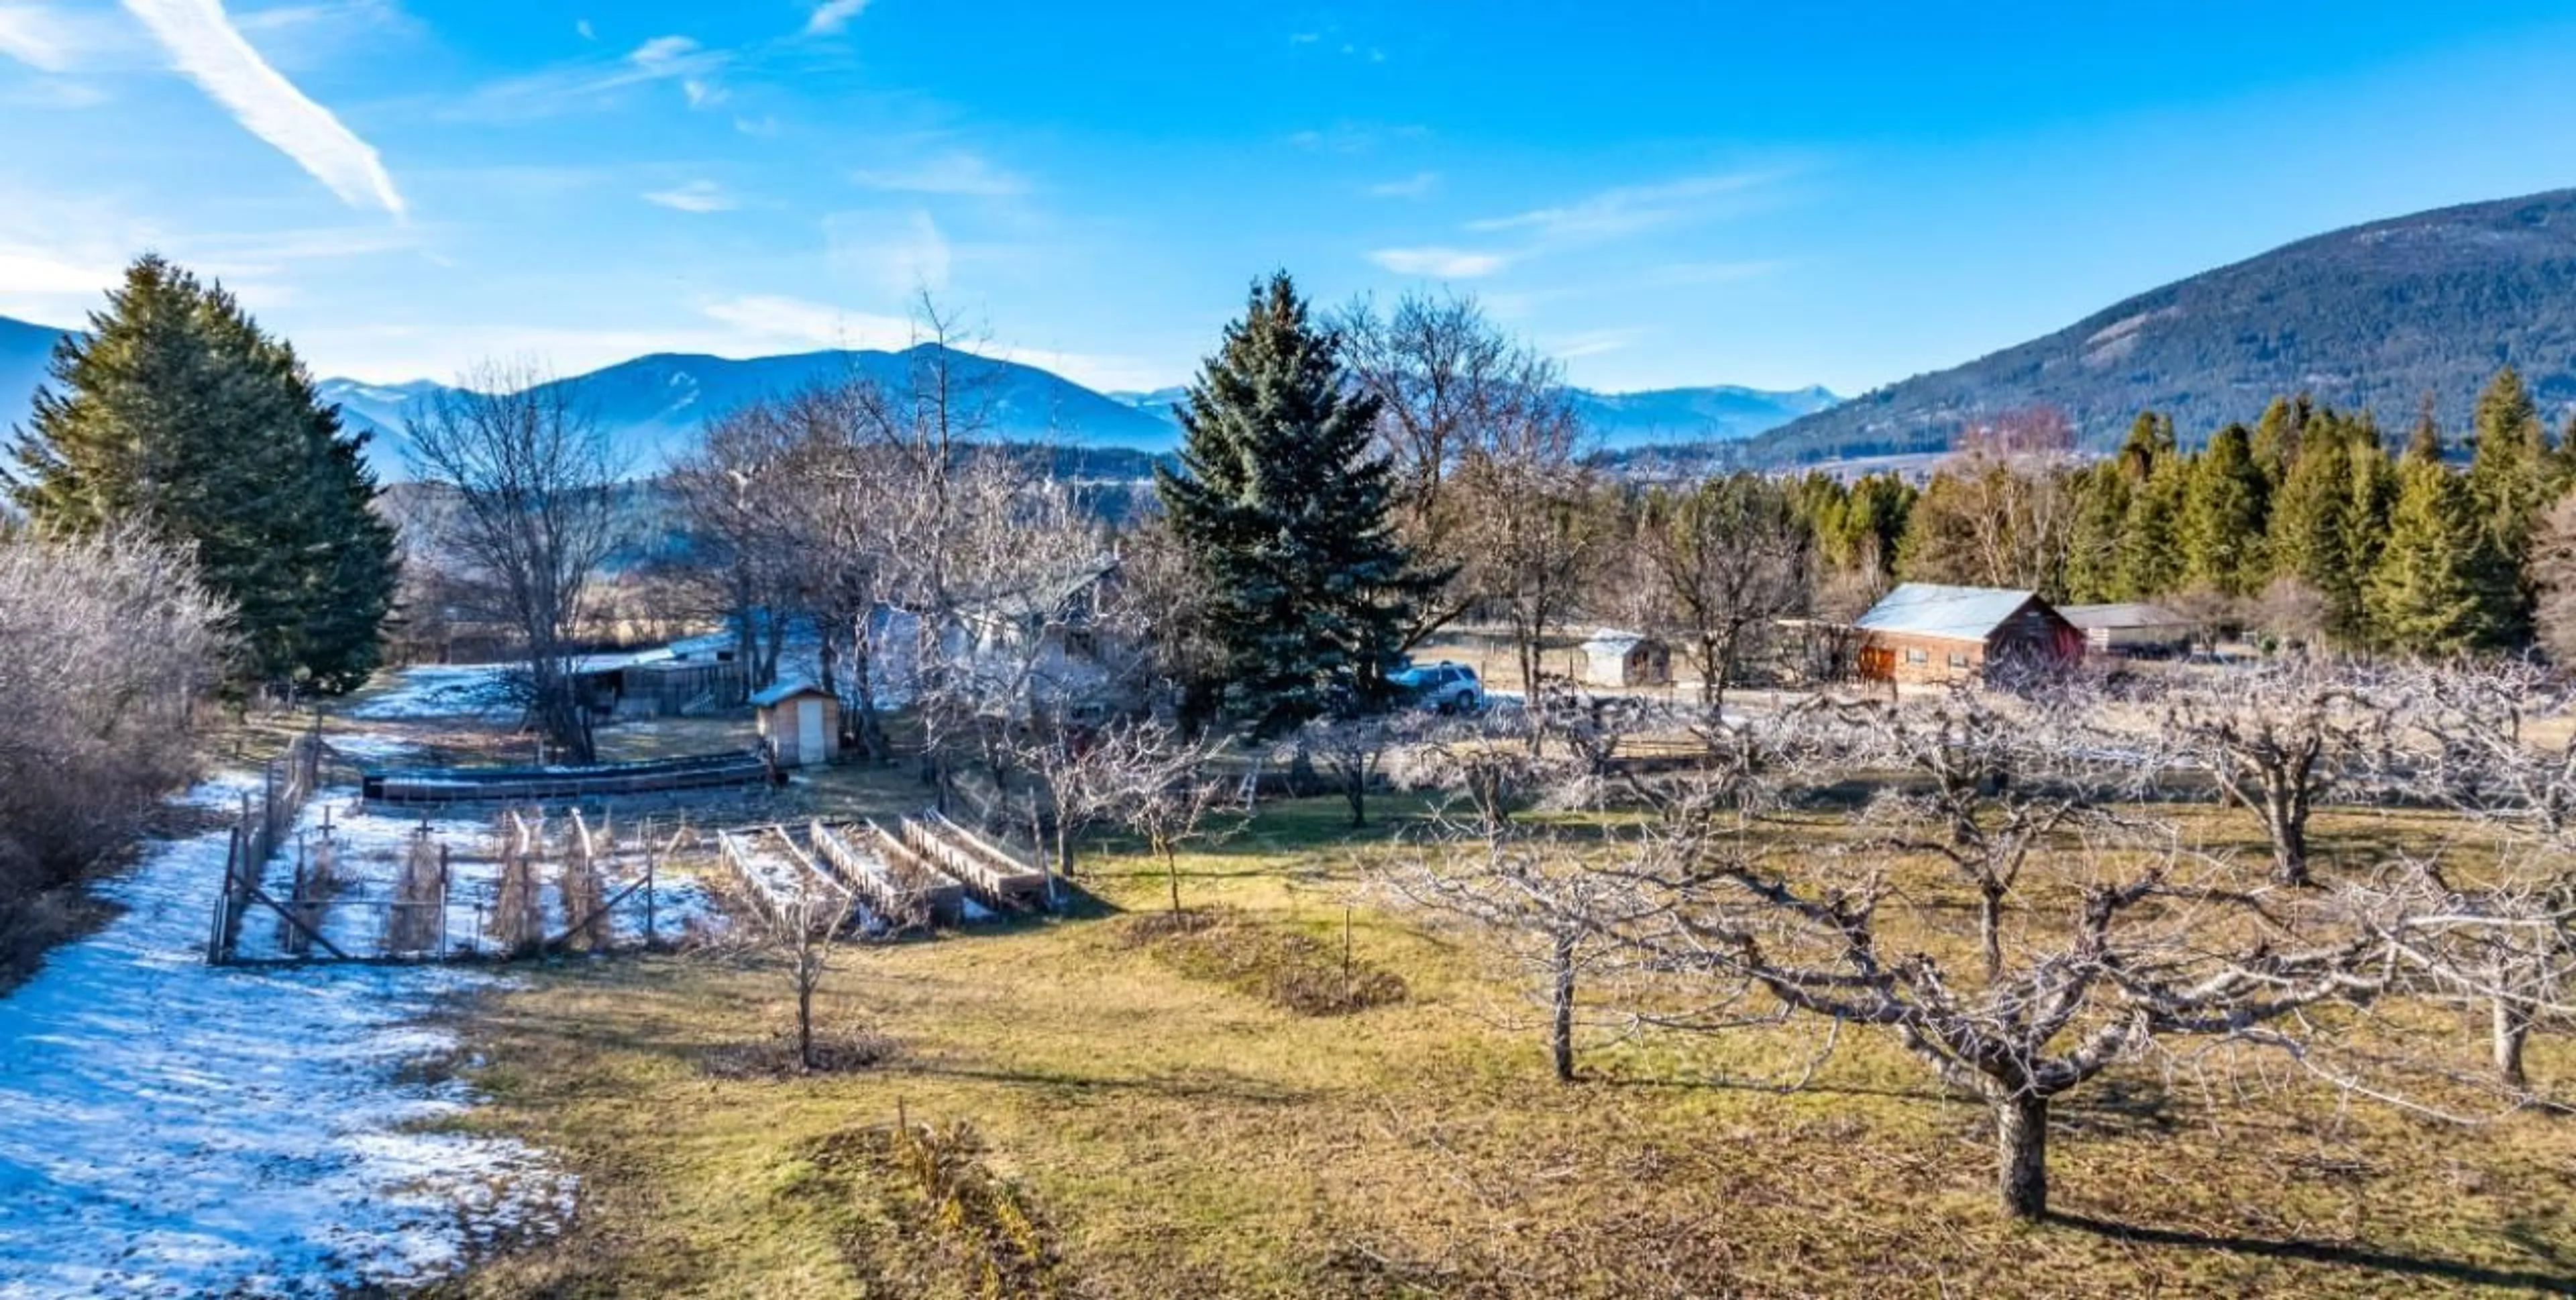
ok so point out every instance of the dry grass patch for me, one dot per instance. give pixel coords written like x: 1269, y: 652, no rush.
x: 1281, y: 967
x: 1170, y: 1137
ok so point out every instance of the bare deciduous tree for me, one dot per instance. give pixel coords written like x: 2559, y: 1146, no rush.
x: 1723, y: 564
x: 2277, y: 738
x: 533, y: 481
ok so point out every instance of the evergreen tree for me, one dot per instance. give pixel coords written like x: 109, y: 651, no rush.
x: 1284, y: 511
x: 2150, y: 443
x: 2510, y: 481
x: 2373, y: 494
x: 2150, y: 545
x: 175, y: 410
x: 2224, y: 509
x: 2425, y: 597
x: 2094, y: 551
x: 2278, y: 436
x: 2312, y: 526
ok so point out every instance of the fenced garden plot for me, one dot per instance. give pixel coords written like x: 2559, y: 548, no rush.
x: 528, y: 884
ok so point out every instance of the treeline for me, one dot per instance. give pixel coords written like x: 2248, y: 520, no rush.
x: 2306, y: 528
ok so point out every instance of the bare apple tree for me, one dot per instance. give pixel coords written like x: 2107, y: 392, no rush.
x: 2279, y: 738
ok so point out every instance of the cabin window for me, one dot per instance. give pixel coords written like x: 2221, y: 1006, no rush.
x: 1917, y: 656
x: 1958, y: 660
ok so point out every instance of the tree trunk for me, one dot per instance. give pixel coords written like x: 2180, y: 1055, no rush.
x: 1172, y: 868
x: 1355, y: 790
x: 1560, y: 1033
x: 1990, y: 928
x: 805, y: 1023
x: 2289, y: 844
x: 2512, y: 1030
x: 2021, y: 1154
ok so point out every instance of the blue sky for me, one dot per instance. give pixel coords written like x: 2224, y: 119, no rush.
x: 1660, y: 194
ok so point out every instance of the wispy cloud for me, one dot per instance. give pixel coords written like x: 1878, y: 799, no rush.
x: 594, y: 82
x: 896, y: 253
x: 1354, y: 137
x: 1632, y: 208
x: 696, y: 196
x: 209, y: 50
x: 1418, y: 185
x: 769, y: 320
x: 962, y: 174
x: 831, y: 16
x: 1590, y: 343
x: 38, y: 38
x: 1441, y: 263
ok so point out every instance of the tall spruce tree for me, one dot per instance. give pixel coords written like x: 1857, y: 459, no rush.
x: 2426, y: 594
x: 2224, y: 509
x: 177, y: 413
x: 2278, y: 435
x: 1285, y: 513
x: 2093, y: 550
x: 2150, y: 544
x: 2512, y: 478
x: 2314, y: 521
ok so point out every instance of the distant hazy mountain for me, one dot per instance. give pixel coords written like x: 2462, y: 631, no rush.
x: 25, y: 350
x: 2373, y: 315
x: 1621, y: 421
x: 1618, y: 421
x: 658, y: 404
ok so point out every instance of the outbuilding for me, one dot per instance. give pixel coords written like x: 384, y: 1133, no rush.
x: 2131, y: 629
x: 1927, y: 632
x: 1623, y: 660
x: 800, y: 723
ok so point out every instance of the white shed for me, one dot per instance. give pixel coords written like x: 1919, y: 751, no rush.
x: 1623, y: 660
x: 800, y: 723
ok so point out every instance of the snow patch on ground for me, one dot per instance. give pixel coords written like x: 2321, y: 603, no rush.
x: 168, y: 1128
x: 441, y: 691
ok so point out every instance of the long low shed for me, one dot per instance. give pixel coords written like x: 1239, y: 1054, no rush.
x: 548, y: 784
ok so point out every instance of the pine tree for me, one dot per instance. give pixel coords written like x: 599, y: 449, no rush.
x: 2149, y: 444
x: 2150, y: 543
x: 2093, y: 553
x: 2312, y: 524
x: 2425, y: 596
x: 175, y: 411
x: 2279, y: 434
x: 2224, y: 509
x: 1284, y: 511
x: 2510, y: 480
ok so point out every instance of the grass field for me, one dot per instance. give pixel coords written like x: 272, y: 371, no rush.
x: 1156, y: 1133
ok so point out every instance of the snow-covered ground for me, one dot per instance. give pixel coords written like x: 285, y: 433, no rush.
x: 441, y: 691
x: 167, y: 1128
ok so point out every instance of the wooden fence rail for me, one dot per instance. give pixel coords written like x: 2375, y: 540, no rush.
x: 258, y: 832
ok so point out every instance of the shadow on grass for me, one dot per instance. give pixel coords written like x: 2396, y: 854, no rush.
x: 2560, y: 1281
x: 1228, y: 1087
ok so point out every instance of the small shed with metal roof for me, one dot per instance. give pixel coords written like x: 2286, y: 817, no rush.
x: 800, y: 723
x: 1623, y: 660
x: 1929, y: 632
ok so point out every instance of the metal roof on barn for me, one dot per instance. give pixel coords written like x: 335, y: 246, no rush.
x: 1951, y: 613
x: 2132, y: 615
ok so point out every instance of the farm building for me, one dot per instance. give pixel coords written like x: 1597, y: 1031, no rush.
x: 1623, y: 660
x: 800, y: 723
x: 1925, y: 632
x: 2130, y: 629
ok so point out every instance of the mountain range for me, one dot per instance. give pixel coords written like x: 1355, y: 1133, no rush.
x: 2373, y: 316
x: 657, y: 404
